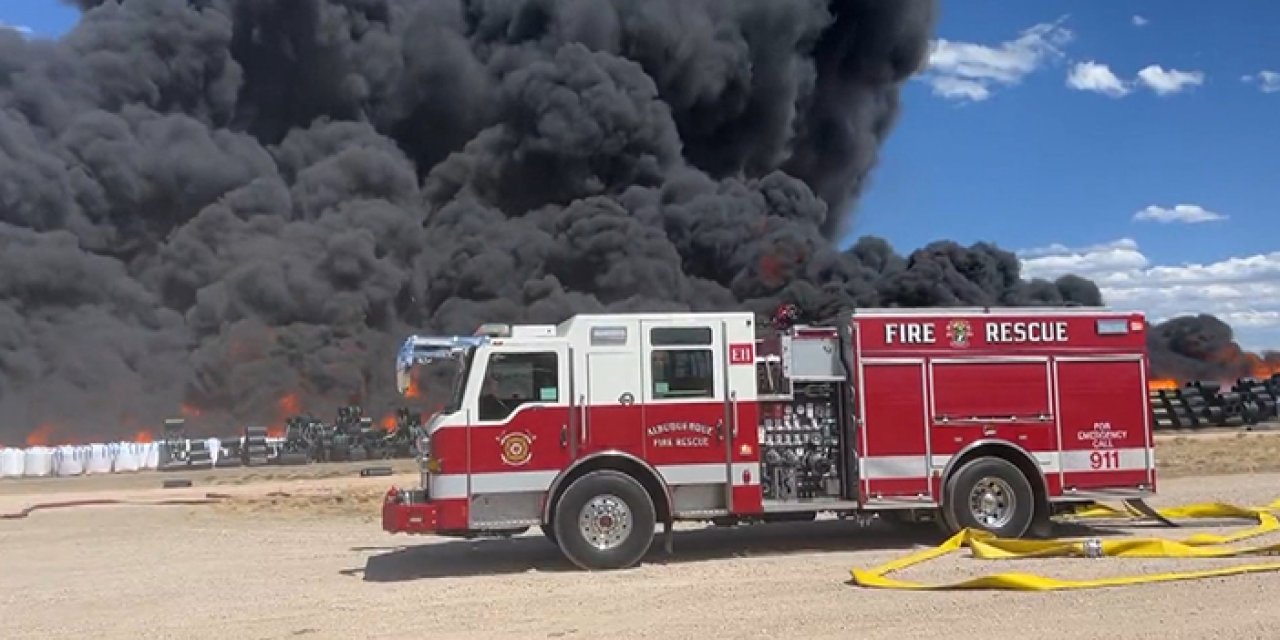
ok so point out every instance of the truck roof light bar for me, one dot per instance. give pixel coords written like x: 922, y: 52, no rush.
x: 494, y: 330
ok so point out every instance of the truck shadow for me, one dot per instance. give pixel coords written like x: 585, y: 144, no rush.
x: 532, y: 552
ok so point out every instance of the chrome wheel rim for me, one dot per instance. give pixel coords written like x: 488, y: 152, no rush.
x: 992, y: 503
x: 605, y: 521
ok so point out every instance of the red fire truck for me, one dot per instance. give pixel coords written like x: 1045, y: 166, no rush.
x: 603, y: 426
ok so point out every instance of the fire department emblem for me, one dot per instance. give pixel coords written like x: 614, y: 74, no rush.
x: 517, y: 448
x: 959, y: 332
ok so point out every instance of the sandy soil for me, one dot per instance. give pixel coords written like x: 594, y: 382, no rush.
x: 297, y: 555
x: 1218, y: 452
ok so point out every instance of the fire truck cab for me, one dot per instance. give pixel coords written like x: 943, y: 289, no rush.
x: 599, y: 428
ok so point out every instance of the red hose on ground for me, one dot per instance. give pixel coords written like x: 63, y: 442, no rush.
x: 208, y: 499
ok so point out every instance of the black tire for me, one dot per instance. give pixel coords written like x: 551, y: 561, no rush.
x: 1012, y: 491
x: 550, y: 533
x: 946, y: 521
x: 293, y: 459
x: 636, y: 540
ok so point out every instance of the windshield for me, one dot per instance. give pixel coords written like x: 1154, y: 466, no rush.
x: 461, y: 369
x: 438, y: 385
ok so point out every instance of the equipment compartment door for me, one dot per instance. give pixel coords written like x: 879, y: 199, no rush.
x: 1102, y: 404
x: 611, y: 404
x: 894, y: 442
x: 685, y: 411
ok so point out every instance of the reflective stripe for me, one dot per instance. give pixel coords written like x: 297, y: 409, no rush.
x: 1134, y: 459
x: 452, y: 486
x: 1103, y: 460
x: 678, y: 474
x: 885, y: 467
x: 1074, y: 461
x: 445, y: 487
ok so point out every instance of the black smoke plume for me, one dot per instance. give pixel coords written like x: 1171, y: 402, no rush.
x: 242, y: 206
x: 1203, y: 347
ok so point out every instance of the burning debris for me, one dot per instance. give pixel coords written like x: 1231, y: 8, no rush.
x: 240, y: 208
x: 351, y: 438
x: 1202, y: 347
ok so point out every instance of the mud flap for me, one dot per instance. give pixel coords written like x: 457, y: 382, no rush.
x: 1138, y: 507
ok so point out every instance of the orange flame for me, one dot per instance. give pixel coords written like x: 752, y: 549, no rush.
x: 189, y: 411
x: 1162, y: 383
x: 389, y: 423
x: 289, y: 405
x: 412, y: 391
x: 143, y: 436
x: 1264, y: 367
x: 41, y: 437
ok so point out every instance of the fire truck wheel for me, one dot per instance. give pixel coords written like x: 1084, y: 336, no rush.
x: 604, y: 520
x: 550, y: 533
x: 991, y: 494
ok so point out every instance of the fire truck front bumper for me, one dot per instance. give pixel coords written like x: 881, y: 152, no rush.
x: 409, y: 511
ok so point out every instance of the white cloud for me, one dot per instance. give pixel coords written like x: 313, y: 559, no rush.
x: 1186, y: 213
x: 969, y: 71
x: 1172, y: 81
x: 960, y: 89
x: 26, y: 31
x: 1243, y: 291
x: 1139, y: 21
x: 1268, y: 81
x: 1092, y: 76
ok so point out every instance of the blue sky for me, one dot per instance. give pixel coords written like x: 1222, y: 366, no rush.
x: 1047, y: 126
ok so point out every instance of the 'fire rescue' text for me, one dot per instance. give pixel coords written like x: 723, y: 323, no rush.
x: 680, y: 434
x: 995, y: 333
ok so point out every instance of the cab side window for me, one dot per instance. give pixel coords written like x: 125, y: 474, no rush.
x: 513, y: 379
x: 681, y: 363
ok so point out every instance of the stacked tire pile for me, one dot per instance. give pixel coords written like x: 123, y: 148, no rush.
x: 198, y: 454
x: 173, y: 448
x: 1200, y: 404
x: 1257, y: 398
x: 1210, y: 407
x: 253, y: 453
x: 1170, y: 409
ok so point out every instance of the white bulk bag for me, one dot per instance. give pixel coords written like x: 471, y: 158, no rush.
x: 38, y: 463
x: 214, y: 446
x: 12, y: 462
x: 98, y: 459
x: 127, y: 457
x: 68, y: 461
x: 151, y: 457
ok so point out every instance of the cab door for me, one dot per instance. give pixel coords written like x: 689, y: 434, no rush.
x: 685, y: 412
x: 520, y: 411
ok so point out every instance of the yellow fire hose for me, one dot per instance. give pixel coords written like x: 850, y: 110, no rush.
x: 988, y: 547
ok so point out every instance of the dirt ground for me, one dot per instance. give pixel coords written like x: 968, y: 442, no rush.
x: 299, y: 553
